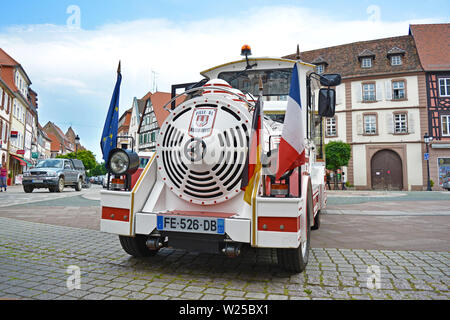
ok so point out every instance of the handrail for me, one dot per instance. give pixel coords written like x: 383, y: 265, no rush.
x: 207, y: 88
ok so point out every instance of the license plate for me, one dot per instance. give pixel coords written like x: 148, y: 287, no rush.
x: 190, y: 224
x: 38, y: 181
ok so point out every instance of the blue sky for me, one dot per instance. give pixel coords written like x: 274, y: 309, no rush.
x: 74, y: 70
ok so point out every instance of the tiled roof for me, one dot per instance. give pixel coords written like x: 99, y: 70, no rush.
x: 6, y: 59
x: 59, y: 136
x: 159, y: 99
x: 124, y: 121
x: 7, y: 75
x: 344, y: 59
x: 433, y: 45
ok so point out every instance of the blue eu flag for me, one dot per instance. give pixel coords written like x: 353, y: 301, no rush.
x: 109, y: 135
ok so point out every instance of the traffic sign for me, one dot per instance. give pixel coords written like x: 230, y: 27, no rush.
x: 426, y: 156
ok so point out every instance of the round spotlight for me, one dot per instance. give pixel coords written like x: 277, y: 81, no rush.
x: 123, y: 161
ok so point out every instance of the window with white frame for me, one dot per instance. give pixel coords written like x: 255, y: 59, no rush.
x: 444, y: 87
x: 330, y: 127
x: 369, y: 92
x: 320, y: 68
x: 398, y: 90
x: 370, y: 124
x: 396, y: 60
x: 445, y: 125
x: 400, y: 123
x: 366, y: 63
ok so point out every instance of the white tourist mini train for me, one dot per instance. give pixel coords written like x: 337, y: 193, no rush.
x: 189, y: 194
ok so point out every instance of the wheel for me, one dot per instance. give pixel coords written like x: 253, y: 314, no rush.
x: 28, y: 189
x: 79, y: 185
x: 316, y: 221
x: 295, y: 260
x: 60, y: 186
x: 136, y: 247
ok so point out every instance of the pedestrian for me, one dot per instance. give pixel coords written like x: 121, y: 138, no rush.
x: 3, y: 174
x: 328, y: 180
x: 344, y: 181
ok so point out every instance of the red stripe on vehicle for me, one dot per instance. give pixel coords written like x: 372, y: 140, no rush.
x: 279, y: 224
x: 117, y: 214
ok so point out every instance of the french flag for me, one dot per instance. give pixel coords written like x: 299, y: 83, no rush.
x: 291, y: 153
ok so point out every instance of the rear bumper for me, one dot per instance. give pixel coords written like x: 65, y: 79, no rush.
x: 235, y: 228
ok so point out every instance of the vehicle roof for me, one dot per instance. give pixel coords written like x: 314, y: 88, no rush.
x: 203, y: 73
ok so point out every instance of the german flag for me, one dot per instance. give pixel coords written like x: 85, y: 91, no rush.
x: 252, y: 168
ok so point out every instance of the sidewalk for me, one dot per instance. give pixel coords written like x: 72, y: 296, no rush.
x: 393, y: 203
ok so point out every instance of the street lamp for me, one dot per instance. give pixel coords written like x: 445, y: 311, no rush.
x: 77, y: 141
x: 427, y: 140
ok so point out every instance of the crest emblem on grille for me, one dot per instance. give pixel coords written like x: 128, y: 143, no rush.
x: 202, y: 122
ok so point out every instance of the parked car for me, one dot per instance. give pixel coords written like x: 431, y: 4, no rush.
x: 55, y: 174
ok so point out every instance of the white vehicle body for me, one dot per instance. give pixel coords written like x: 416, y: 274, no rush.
x: 175, y: 186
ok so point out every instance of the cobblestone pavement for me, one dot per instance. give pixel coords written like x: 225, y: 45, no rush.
x: 34, y: 258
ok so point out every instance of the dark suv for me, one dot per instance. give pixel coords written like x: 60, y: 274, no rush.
x: 55, y: 174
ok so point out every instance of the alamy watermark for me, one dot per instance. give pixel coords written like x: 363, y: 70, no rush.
x: 74, y: 280
x: 74, y: 20
x: 374, y: 278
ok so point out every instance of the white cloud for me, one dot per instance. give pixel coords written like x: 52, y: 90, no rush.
x: 85, y: 61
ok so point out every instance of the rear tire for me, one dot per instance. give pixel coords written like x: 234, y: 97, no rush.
x: 136, y: 247
x: 295, y: 260
x: 316, y: 221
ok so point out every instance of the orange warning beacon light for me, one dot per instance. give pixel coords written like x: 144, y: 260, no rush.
x: 246, y: 50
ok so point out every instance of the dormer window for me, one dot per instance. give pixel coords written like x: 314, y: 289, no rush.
x: 366, y: 58
x: 395, y: 56
x: 396, y: 60
x: 366, y: 63
x: 321, y: 64
x: 320, y: 68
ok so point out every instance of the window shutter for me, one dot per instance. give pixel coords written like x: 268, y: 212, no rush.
x: 339, y: 94
x: 390, y: 123
x: 379, y: 91
x: 358, y: 92
x: 411, y: 128
x: 388, y: 90
x: 359, y: 124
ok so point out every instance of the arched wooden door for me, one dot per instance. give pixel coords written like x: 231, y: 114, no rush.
x: 386, y: 171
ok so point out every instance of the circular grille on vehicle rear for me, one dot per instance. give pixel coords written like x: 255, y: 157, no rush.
x: 202, y: 149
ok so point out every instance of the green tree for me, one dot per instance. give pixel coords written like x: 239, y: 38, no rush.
x: 337, y: 155
x: 86, y: 156
x: 98, y: 170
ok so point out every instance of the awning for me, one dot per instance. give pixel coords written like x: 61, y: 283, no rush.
x: 22, y: 162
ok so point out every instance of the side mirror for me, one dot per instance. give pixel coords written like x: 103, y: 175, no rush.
x: 330, y: 80
x: 327, y: 102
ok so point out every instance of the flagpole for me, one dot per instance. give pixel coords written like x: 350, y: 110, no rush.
x: 261, y: 135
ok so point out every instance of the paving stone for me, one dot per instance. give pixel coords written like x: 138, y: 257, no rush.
x: 191, y: 295
x: 171, y: 293
x: 157, y: 297
x: 212, y: 297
